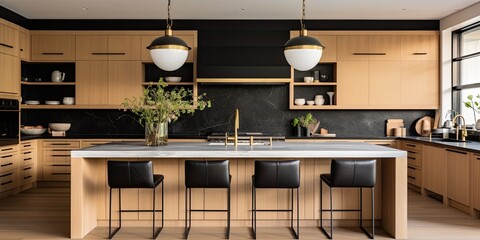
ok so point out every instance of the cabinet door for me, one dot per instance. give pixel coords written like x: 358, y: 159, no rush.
x: 124, y: 80
x: 8, y: 40
x: 91, y: 48
x: 352, y: 47
x: 53, y: 47
x: 476, y: 180
x: 330, y: 51
x: 384, y: 84
x: 124, y: 48
x: 419, y: 84
x: 384, y: 47
x: 24, y: 45
x: 352, y: 83
x: 92, y: 82
x: 188, y: 38
x: 9, y: 74
x: 458, y: 176
x: 434, y: 169
x: 420, y: 47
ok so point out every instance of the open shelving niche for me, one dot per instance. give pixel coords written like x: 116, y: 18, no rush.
x: 44, y: 90
x: 300, y: 89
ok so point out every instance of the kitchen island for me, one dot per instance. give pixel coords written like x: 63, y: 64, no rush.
x: 89, y: 189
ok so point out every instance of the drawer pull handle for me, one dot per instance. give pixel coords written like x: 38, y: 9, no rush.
x: 5, y: 183
x: 369, y: 54
x: 28, y: 168
x: 412, y: 177
x: 27, y: 145
x: 6, y: 45
x: 412, y: 158
x: 27, y: 153
x: 420, y: 53
x: 58, y: 155
x: 60, y: 173
x: 412, y: 168
x: 449, y: 150
x: 411, y: 152
x: 61, y: 165
x: 7, y: 149
x: 27, y: 159
x: 5, y: 175
x: 4, y: 165
x: 53, y: 53
x: 21, y: 49
x: 27, y: 177
x: 411, y: 145
x: 8, y: 156
x: 106, y: 54
x: 60, y: 144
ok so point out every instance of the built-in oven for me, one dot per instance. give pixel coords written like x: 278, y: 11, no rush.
x: 9, y: 122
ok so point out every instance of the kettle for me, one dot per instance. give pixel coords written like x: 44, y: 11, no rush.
x: 58, y: 76
x: 448, y: 123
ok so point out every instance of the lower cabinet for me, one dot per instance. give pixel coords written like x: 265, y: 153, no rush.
x: 434, y: 160
x: 28, y: 164
x: 475, y: 158
x: 458, y: 176
x: 56, y: 159
x: 8, y: 169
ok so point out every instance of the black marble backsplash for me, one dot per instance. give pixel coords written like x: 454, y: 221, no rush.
x: 263, y: 108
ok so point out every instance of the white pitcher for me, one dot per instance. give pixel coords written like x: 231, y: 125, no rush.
x: 58, y: 76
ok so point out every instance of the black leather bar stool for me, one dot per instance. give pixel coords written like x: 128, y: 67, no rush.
x: 349, y: 174
x: 136, y: 174
x: 276, y: 174
x: 206, y: 174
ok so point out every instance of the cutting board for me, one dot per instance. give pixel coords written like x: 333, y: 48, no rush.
x: 424, y: 126
x: 391, y: 124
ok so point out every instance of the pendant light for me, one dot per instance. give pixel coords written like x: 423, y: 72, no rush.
x: 303, y: 52
x: 169, y: 53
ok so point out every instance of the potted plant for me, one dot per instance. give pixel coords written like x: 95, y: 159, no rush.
x: 302, y: 123
x: 475, y: 106
x: 158, y: 107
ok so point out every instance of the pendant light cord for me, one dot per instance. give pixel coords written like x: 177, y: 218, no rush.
x: 302, y: 23
x: 169, y: 20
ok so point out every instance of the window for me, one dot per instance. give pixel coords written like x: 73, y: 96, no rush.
x: 466, y: 69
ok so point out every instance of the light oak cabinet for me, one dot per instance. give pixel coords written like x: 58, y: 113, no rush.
x: 352, y: 83
x: 419, y: 85
x: 414, y: 160
x: 363, y: 48
x: 475, y: 158
x: 384, y: 79
x: 28, y: 164
x: 434, y: 161
x: 107, y: 82
x: 420, y: 47
x: 458, y: 176
x: 8, y: 40
x: 24, y: 44
x: 190, y: 37
x: 56, y: 159
x: 8, y: 168
x: 106, y: 47
x: 53, y: 47
x: 9, y: 74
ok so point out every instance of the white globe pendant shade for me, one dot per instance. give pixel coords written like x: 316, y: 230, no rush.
x: 169, y: 53
x: 303, y: 53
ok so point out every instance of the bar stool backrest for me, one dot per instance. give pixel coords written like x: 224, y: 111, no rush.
x: 207, y: 174
x: 353, y: 173
x: 277, y: 174
x: 134, y: 174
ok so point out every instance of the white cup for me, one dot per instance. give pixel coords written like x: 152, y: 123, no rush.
x: 68, y: 100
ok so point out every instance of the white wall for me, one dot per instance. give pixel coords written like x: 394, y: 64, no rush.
x: 449, y: 24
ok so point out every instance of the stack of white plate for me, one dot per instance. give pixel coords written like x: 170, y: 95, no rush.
x: 52, y: 102
x: 32, y: 102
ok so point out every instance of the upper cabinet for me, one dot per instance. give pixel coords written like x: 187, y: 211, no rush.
x: 190, y: 37
x: 24, y: 44
x: 108, y: 47
x: 8, y: 40
x: 9, y: 74
x: 53, y: 47
x: 364, y: 47
x: 420, y: 47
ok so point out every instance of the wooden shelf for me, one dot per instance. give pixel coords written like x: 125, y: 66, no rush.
x: 315, y: 84
x: 243, y: 80
x: 49, y: 83
x: 169, y: 83
x: 61, y: 106
x: 360, y: 107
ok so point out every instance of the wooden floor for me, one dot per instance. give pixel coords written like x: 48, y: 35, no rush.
x: 43, y: 213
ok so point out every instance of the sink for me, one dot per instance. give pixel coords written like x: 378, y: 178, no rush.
x: 239, y: 144
x: 452, y: 140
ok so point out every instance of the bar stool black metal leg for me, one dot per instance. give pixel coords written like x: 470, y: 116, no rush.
x: 110, y: 233
x: 187, y: 211
x: 372, y: 235
x: 329, y: 236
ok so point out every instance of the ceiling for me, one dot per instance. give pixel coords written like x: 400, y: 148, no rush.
x: 232, y: 9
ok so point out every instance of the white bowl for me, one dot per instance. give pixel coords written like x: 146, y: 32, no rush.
x: 32, y: 102
x: 299, y: 101
x: 310, y: 103
x: 173, y: 79
x: 36, y: 131
x: 68, y: 100
x: 59, y: 126
x: 308, y: 79
x: 319, y: 101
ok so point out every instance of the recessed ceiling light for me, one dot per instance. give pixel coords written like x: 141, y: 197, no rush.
x: 241, y: 9
x: 404, y: 9
x: 85, y: 8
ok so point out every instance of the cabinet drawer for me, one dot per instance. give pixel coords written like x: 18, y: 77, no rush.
x: 414, y: 176
x: 8, y: 181
x: 27, y: 175
x: 56, y: 172
x: 27, y: 157
x: 61, y: 144
x: 8, y: 162
x: 412, y: 146
x: 53, y: 47
x: 56, y: 156
x: 26, y: 145
x: 8, y: 150
x: 414, y: 158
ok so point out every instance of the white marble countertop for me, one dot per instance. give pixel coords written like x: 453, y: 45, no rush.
x: 204, y: 150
